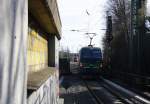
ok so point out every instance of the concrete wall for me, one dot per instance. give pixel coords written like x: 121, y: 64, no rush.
x: 47, y: 93
x: 47, y: 15
x: 13, y: 41
x: 55, y: 13
x: 37, y: 52
x: 16, y: 57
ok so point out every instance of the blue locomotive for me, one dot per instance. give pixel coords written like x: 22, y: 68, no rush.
x: 90, y: 60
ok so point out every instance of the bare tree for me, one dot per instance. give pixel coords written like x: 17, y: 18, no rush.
x: 120, y: 10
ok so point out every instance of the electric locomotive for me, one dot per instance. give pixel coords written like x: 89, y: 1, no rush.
x: 90, y: 60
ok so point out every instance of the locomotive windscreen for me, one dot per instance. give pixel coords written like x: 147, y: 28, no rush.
x: 86, y: 53
x: 91, y: 53
x: 96, y: 53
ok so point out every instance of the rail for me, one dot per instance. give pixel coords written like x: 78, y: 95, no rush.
x: 97, y: 99
x: 129, y: 96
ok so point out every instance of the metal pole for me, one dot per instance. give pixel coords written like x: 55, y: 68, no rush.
x: 91, y: 41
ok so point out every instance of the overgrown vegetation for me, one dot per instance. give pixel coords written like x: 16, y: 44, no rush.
x: 120, y: 10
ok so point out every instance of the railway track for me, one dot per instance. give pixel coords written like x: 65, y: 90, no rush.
x: 102, y: 97
x: 125, y: 94
x: 105, y: 92
x: 97, y: 99
x: 76, y: 90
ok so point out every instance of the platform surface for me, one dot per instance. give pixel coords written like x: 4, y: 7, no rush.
x: 36, y: 79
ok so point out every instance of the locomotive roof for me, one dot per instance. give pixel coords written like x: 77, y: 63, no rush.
x: 90, y: 48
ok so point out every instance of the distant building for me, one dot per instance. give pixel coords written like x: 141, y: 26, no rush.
x: 74, y: 57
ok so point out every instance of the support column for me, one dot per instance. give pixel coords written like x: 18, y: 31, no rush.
x: 51, y: 51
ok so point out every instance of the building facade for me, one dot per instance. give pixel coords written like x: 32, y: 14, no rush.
x: 30, y: 32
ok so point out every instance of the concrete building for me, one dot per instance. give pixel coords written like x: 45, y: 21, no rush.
x: 30, y: 32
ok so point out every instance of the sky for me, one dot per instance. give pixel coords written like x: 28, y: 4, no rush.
x: 148, y: 7
x: 73, y: 14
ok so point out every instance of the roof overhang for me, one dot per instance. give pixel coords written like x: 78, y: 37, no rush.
x: 47, y: 15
